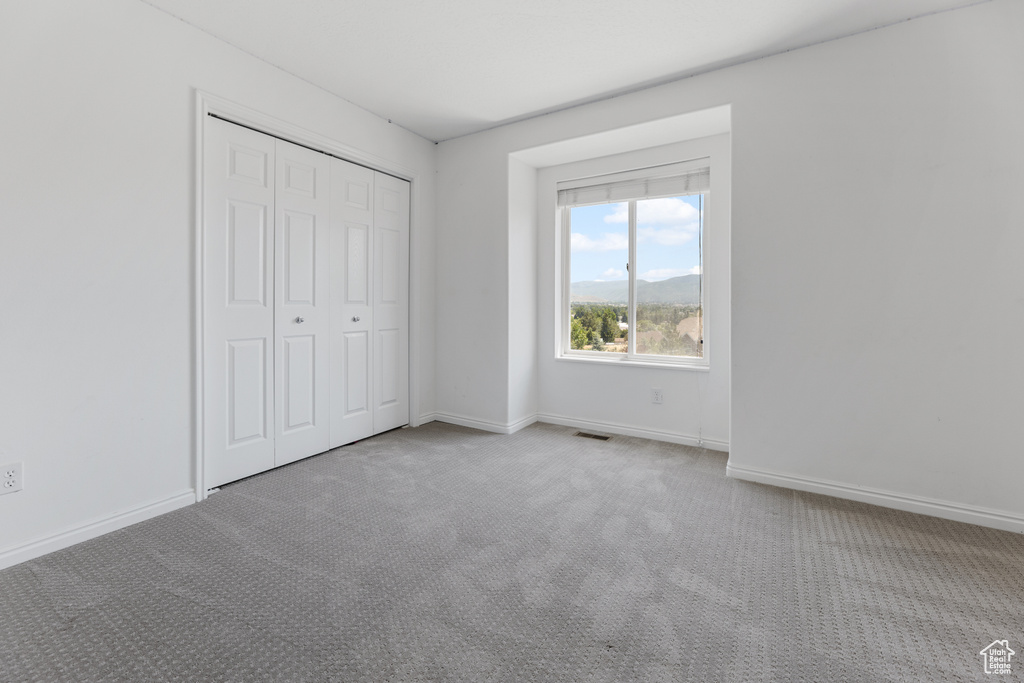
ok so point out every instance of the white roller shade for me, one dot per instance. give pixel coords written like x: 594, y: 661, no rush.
x: 668, y: 181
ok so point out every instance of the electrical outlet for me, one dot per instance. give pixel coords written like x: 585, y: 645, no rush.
x: 657, y: 396
x: 10, y: 478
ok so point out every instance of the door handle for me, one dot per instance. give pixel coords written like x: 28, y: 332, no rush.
x: 300, y: 320
x: 355, y: 318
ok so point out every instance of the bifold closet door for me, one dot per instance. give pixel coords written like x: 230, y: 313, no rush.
x: 302, y: 313
x: 369, y: 302
x: 265, y: 299
x: 305, y: 302
x: 351, y: 302
x: 238, y: 302
x: 390, y: 303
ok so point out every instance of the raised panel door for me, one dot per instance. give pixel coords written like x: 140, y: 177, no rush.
x: 238, y: 310
x: 302, y: 315
x: 352, y: 311
x: 390, y: 303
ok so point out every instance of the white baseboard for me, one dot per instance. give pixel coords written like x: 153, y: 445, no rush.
x: 606, y: 427
x: 958, y: 512
x: 626, y: 430
x: 484, y: 425
x: 519, y: 424
x: 69, y: 537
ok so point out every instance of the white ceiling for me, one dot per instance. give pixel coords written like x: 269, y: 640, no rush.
x: 446, y: 68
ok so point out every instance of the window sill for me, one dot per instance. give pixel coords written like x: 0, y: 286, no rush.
x: 635, y: 363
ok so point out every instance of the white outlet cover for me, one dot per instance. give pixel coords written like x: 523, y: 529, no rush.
x: 11, y: 478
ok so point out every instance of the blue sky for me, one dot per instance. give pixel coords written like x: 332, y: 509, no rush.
x: 667, y: 245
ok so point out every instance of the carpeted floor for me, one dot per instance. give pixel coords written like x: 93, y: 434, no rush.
x: 448, y: 554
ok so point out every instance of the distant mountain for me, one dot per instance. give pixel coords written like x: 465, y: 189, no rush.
x: 684, y: 290
x: 596, y: 291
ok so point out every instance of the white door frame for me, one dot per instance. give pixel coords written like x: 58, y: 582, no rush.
x: 207, y: 104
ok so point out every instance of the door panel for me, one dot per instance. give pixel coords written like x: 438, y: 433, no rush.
x: 390, y: 303
x: 302, y: 320
x: 247, y: 390
x: 299, y: 382
x: 238, y: 314
x: 247, y: 254
x: 351, y: 302
x: 299, y: 259
x: 357, y: 261
x: 357, y: 389
x: 390, y: 257
x: 299, y: 179
x: 389, y: 362
x: 248, y: 164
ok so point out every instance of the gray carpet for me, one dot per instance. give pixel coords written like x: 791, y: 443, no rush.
x: 448, y: 554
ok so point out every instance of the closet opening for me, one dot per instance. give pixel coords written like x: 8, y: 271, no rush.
x: 304, y: 298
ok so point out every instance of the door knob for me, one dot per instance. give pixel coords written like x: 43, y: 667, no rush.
x: 300, y: 320
x: 355, y: 318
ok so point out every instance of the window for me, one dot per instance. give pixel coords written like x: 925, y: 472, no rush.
x: 633, y: 279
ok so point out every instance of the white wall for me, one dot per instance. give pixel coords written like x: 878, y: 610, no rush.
x: 876, y: 240
x: 97, y: 253
x: 876, y: 185
x: 472, y: 289
x: 613, y: 396
x: 522, y: 293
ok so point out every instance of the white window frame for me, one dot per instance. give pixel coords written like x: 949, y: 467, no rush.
x: 564, y: 225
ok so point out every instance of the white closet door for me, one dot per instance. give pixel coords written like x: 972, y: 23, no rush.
x: 238, y: 302
x: 390, y: 303
x: 303, y: 312
x: 351, y: 302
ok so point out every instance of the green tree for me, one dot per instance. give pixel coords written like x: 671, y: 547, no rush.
x: 577, y: 335
x: 609, y: 326
x: 589, y: 321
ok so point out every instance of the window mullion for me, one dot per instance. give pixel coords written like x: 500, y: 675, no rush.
x: 631, y: 268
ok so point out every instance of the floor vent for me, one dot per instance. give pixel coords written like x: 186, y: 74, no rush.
x: 588, y: 435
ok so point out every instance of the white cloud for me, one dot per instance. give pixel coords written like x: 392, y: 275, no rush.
x: 609, y: 241
x: 667, y: 222
x: 620, y: 213
x: 666, y: 237
x: 612, y: 274
x: 666, y: 211
x: 694, y: 271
